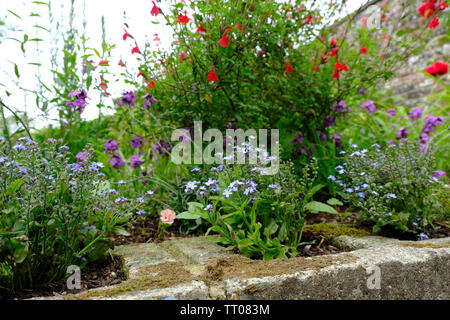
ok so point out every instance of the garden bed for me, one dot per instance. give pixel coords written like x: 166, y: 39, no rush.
x: 95, y: 275
x: 197, y: 268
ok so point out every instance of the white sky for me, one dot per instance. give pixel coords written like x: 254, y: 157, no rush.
x: 138, y: 19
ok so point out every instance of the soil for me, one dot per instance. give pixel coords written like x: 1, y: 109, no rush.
x: 145, y: 230
x: 99, y: 274
x: 320, y: 245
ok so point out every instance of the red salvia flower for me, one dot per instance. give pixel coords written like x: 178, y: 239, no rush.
x: 239, y: 27
x: 103, y: 63
x: 364, y: 49
x: 434, y: 23
x: 336, y: 74
x: 183, y: 19
x: 212, y: 76
x: 441, y: 5
x: 152, y: 84
x: 155, y: 10
x: 339, y: 66
x: 334, y: 43
x: 427, y: 9
x: 438, y: 68
x: 135, y: 49
x: 140, y: 74
x: 288, y: 68
x: 126, y: 35
x: 308, y: 20
x: 316, y: 68
x: 156, y: 37
x: 224, y: 40
x: 201, y: 29
x: 121, y: 63
x: 333, y: 52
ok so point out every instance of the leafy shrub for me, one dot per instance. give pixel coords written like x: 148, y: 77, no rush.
x: 53, y: 213
x: 261, y: 215
x: 393, y: 186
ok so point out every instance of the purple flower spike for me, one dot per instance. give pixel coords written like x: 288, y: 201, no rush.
x: 370, y: 106
x: 415, y: 113
x: 136, y: 142
x: 116, y: 161
x: 111, y: 145
x: 135, y: 161
x: 128, y: 98
x: 392, y: 112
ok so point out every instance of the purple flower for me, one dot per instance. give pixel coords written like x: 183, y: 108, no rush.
x: 163, y: 147
x: 415, y: 113
x: 402, y: 133
x: 149, y: 99
x: 424, y: 138
x: 431, y: 122
x: 136, y: 142
x: 370, y: 106
x: 336, y: 138
x: 439, y: 174
x: 87, y: 63
x: 361, y: 91
x: 128, y: 98
x: 143, y: 179
x: 392, y: 112
x: 322, y: 136
x: 82, y: 157
x: 111, y: 145
x: 298, y: 139
x: 116, y: 161
x: 329, y: 121
x: 80, y: 102
x: 339, y: 106
x: 135, y: 161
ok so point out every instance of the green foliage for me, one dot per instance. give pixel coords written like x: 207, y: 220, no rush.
x: 53, y: 213
x: 394, y: 186
x: 261, y: 215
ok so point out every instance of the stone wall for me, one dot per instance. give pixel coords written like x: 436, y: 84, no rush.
x: 409, y: 83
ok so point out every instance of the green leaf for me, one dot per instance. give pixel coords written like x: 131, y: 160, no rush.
x: 187, y: 215
x: 316, y: 207
x: 21, y: 252
x: 121, y: 231
x: 14, y: 13
x: 16, y: 71
x: 14, y: 186
x: 334, y: 202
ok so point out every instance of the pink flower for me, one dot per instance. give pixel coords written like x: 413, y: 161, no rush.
x: 168, y: 216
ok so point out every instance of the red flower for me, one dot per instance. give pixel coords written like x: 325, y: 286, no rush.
x: 262, y: 52
x: 224, y: 40
x: 103, y: 63
x: 336, y: 74
x: 201, y: 29
x: 135, y: 49
x: 442, y: 6
x: 308, y: 20
x: 126, y: 35
x: 156, y: 37
x: 316, y: 67
x: 288, y: 68
x: 434, y: 23
x: 212, y: 76
x: 121, y: 63
x: 140, y: 74
x: 334, y: 43
x: 183, y: 19
x: 364, y: 49
x: 333, y: 52
x: 155, y: 9
x: 427, y: 9
x: 339, y: 66
x: 438, y: 68
x: 239, y: 27
x: 152, y: 84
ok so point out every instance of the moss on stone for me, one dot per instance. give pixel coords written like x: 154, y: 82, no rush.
x: 334, y: 230
x: 427, y: 245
